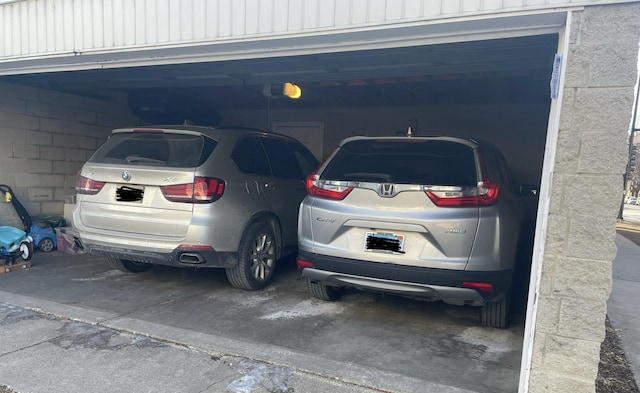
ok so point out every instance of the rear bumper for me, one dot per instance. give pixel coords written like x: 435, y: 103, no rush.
x: 153, y: 249
x: 428, y: 283
x: 180, y: 257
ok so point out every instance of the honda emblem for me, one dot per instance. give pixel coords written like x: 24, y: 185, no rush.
x: 386, y: 189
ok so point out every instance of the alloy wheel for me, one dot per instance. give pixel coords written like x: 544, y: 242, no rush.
x: 262, y: 257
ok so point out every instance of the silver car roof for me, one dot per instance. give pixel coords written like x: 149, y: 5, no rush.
x: 213, y: 132
x: 468, y: 142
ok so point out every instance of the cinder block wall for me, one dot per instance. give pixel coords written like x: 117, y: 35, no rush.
x: 45, y: 137
x: 586, y: 194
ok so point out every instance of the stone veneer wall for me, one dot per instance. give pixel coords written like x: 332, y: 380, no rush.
x: 45, y: 137
x: 586, y: 194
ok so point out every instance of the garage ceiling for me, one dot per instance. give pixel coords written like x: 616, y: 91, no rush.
x: 501, y: 70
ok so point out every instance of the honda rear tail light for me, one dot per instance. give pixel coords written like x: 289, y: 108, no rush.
x: 337, y: 190
x: 480, y: 286
x: 485, y: 194
x: 87, y: 186
x: 202, y: 190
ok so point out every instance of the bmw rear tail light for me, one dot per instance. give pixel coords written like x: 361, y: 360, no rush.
x: 337, y: 190
x: 485, y: 194
x: 87, y: 186
x: 202, y: 190
x: 303, y: 263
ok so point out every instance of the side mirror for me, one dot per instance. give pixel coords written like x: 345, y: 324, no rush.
x: 528, y: 190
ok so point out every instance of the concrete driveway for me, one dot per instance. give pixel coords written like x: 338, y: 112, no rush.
x: 365, y: 340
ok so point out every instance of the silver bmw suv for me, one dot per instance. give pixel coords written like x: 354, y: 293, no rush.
x: 436, y: 218
x: 193, y: 197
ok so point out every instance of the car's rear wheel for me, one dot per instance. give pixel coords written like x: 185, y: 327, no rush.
x: 256, y: 258
x: 323, y: 291
x: 497, y: 314
x: 46, y: 245
x: 128, y: 266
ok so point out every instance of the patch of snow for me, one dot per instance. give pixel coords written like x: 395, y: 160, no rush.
x: 307, y: 308
x: 496, y: 341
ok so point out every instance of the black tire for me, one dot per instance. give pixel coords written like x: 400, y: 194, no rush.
x: 128, y: 266
x: 497, y: 314
x: 323, y: 291
x: 256, y: 258
x: 26, y: 251
x: 46, y: 245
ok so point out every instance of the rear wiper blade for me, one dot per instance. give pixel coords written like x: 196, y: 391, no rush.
x: 136, y: 158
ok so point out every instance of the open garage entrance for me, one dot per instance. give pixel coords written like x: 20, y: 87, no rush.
x: 497, y: 90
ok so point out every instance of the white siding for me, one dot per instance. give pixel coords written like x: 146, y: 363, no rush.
x: 40, y: 27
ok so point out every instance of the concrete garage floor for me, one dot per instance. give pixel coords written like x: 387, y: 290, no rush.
x: 365, y: 340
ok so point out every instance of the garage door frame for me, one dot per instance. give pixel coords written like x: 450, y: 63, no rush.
x: 542, y: 215
x: 406, y: 34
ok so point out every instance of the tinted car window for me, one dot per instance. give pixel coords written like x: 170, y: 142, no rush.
x: 305, y: 159
x: 497, y: 166
x: 404, y: 161
x: 156, y: 149
x: 283, y: 162
x: 506, y: 173
x: 250, y: 157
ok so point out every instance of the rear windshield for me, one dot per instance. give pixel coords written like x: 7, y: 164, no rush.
x: 404, y: 161
x: 154, y: 149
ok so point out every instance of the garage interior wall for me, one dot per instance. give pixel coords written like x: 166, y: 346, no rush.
x: 49, y: 135
x: 518, y: 130
x: 46, y: 136
x: 586, y: 192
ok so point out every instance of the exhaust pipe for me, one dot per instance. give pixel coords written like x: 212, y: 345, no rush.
x: 191, y: 258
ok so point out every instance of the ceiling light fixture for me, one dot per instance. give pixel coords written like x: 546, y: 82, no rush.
x: 286, y: 89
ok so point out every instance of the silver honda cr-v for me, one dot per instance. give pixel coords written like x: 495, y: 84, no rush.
x: 436, y: 218
x: 193, y: 197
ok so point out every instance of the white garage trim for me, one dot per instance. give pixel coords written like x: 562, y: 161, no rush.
x: 543, y: 213
x: 378, y: 37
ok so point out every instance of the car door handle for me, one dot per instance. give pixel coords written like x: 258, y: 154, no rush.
x: 269, y: 185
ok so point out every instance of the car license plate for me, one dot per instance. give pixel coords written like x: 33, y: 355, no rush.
x: 380, y: 241
x: 130, y: 194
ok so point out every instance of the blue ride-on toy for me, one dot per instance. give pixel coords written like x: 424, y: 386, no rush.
x: 15, y: 243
